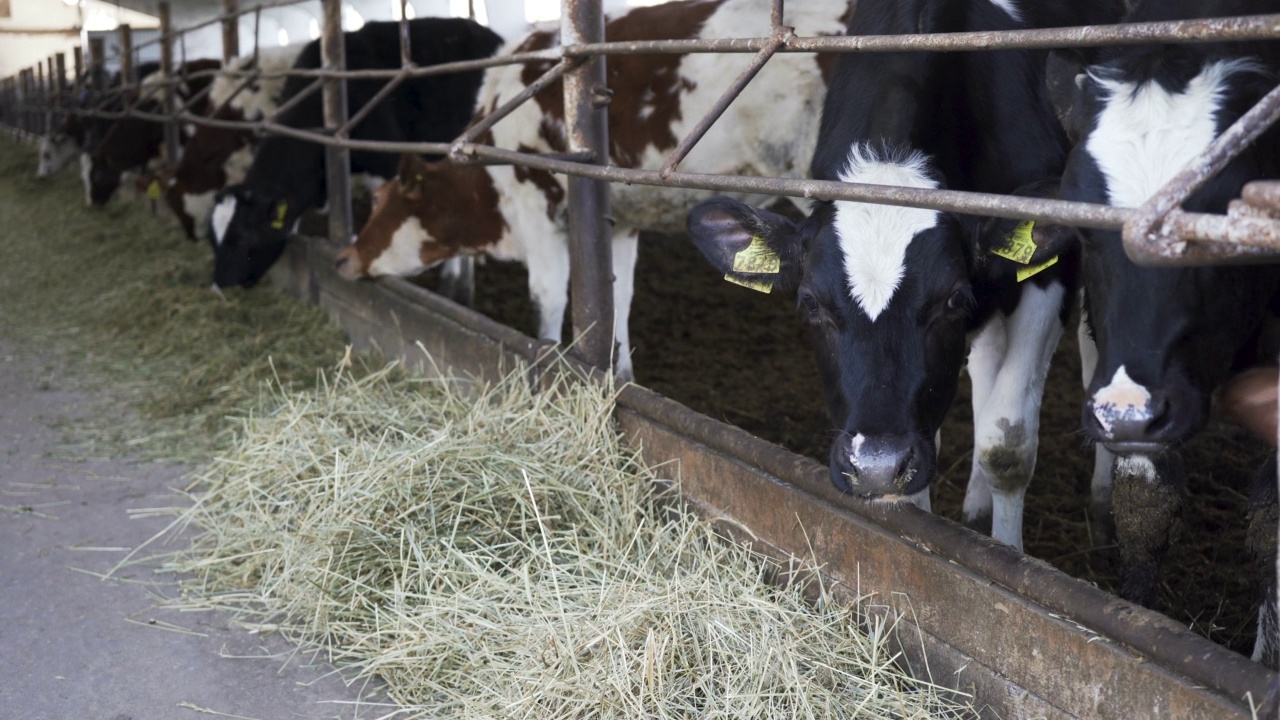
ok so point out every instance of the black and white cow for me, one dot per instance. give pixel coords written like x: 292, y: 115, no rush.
x: 251, y: 221
x: 1166, y: 338
x: 897, y: 297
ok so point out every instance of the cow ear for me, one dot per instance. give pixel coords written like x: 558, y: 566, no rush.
x: 754, y: 248
x: 1028, y: 243
x: 411, y: 173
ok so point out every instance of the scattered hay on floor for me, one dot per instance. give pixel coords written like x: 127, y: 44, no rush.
x: 123, y: 301
x: 498, y: 553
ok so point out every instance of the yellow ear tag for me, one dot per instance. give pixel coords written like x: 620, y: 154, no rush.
x: 278, y: 223
x: 1026, y: 272
x: 1018, y: 247
x: 153, y: 190
x: 764, y: 286
x: 757, y: 258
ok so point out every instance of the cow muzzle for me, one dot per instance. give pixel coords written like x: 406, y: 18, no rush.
x: 348, y: 264
x: 876, y: 465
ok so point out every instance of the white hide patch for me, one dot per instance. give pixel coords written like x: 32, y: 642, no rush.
x: 1145, y: 135
x: 404, y: 256
x: 1136, y: 466
x: 1009, y: 7
x: 86, y: 166
x: 199, y: 206
x: 874, y: 238
x: 1121, y: 398
x: 222, y: 214
x: 237, y: 165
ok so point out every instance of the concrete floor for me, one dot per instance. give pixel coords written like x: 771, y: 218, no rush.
x: 76, y: 647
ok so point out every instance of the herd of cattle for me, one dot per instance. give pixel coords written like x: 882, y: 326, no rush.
x: 900, y: 300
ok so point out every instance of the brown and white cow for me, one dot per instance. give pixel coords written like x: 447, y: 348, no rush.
x: 214, y: 157
x: 434, y: 211
x: 133, y: 144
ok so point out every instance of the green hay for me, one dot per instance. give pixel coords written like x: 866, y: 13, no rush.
x: 122, y: 301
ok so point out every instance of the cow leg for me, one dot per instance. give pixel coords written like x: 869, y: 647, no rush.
x: 1006, y: 431
x: 625, y: 248
x: 985, y: 355
x: 1147, y: 500
x: 458, y: 280
x: 1102, y: 526
x: 549, y: 285
x: 1263, y: 518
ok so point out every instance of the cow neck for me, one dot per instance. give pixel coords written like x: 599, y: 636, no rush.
x: 290, y: 170
x: 461, y: 207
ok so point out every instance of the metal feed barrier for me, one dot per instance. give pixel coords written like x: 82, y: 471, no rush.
x: 990, y: 620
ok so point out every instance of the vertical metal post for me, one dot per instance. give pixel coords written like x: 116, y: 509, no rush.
x: 337, y: 161
x: 24, y: 113
x: 230, y: 32
x: 171, y: 146
x: 126, y: 55
x: 590, y: 236
x: 60, y: 72
x: 98, y: 64
x: 41, y: 97
x: 77, y: 60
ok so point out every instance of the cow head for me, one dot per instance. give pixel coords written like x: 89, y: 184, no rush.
x: 886, y: 291
x: 427, y: 214
x: 248, y: 231
x: 1166, y: 337
x: 57, y: 150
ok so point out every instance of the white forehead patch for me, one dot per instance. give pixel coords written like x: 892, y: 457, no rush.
x: 874, y: 238
x: 404, y: 256
x: 1121, y: 398
x: 222, y: 214
x: 86, y: 166
x: 1146, y: 135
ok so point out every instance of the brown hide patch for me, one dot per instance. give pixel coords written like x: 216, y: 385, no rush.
x: 646, y: 88
x: 544, y: 181
x: 456, y: 204
x: 204, y: 154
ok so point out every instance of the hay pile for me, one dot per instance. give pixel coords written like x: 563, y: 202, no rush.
x: 498, y: 553
x: 122, y: 300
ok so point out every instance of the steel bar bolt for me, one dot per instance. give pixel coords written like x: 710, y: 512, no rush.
x: 590, y: 235
x: 337, y: 161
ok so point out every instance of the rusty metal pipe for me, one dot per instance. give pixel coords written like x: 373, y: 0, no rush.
x: 296, y: 100
x: 590, y: 235
x: 172, y: 143
x: 780, y: 37
x: 488, y: 121
x: 230, y: 31
x: 372, y: 105
x: 337, y: 159
x: 1255, y: 27
x: 1144, y: 241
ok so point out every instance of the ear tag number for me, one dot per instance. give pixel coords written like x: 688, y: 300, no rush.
x: 278, y: 223
x: 1020, y: 248
x: 757, y: 258
x: 153, y: 190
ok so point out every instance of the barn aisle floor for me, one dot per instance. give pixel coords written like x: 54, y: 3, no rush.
x: 73, y: 645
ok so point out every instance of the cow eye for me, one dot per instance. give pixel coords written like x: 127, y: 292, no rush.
x: 961, y: 299
x: 808, y: 304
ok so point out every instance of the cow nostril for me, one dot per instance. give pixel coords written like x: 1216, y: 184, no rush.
x: 342, y: 261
